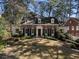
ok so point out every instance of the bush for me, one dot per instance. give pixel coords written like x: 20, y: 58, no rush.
x: 28, y: 37
x: 51, y: 38
x: 60, y: 36
x: 2, y: 44
x: 68, y: 36
x: 56, y: 34
x: 73, y: 46
x: 77, y: 40
x: 17, y: 35
x: 48, y: 37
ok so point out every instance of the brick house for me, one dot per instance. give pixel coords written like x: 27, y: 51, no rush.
x: 40, y: 27
x: 72, y: 26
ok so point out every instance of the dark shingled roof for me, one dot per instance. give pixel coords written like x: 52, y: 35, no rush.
x: 75, y: 19
x: 43, y: 20
x: 47, y: 20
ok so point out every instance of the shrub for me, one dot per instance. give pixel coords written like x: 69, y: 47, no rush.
x: 68, y: 36
x: 56, y: 34
x: 2, y: 44
x: 17, y: 35
x: 28, y: 37
x: 59, y: 35
x: 62, y: 36
x: 49, y: 37
x: 73, y: 46
x: 25, y: 37
x: 77, y: 40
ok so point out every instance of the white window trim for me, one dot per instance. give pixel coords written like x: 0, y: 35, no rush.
x: 77, y: 27
x: 39, y: 20
x: 52, y: 20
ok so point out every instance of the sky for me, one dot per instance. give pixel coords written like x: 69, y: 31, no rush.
x: 1, y: 7
x: 41, y: 0
x: 31, y: 7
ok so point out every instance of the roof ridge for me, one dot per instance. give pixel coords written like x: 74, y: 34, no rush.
x: 76, y: 19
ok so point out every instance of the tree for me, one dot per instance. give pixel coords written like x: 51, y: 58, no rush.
x: 63, y: 9
x: 42, y: 8
x: 2, y: 26
x: 14, y: 12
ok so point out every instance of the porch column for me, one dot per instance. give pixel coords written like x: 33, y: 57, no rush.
x: 52, y: 31
x: 32, y: 31
x: 46, y: 31
x: 24, y: 31
x: 36, y: 32
x: 41, y: 32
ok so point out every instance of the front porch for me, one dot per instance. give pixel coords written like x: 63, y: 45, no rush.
x: 38, y: 30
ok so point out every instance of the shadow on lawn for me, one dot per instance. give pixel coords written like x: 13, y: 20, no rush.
x: 4, y: 56
x: 33, y: 49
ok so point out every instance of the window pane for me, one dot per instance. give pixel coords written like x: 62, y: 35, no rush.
x: 77, y: 27
x: 72, y: 27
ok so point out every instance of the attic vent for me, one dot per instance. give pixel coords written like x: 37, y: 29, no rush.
x: 52, y: 20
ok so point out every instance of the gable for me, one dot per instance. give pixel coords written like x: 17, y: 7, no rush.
x: 72, y: 22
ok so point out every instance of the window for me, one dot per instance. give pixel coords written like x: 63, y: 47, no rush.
x: 67, y: 28
x: 77, y: 27
x: 72, y: 27
x: 77, y: 34
x: 52, y: 20
x: 39, y: 20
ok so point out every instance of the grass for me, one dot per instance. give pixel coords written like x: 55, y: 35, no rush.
x: 2, y: 44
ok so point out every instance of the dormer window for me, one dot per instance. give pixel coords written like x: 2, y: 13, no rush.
x: 39, y: 20
x: 52, y: 20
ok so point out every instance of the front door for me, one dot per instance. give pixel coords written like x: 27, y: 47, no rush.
x: 39, y: 32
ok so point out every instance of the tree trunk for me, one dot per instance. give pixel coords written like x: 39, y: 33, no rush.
x: 11, y: 29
